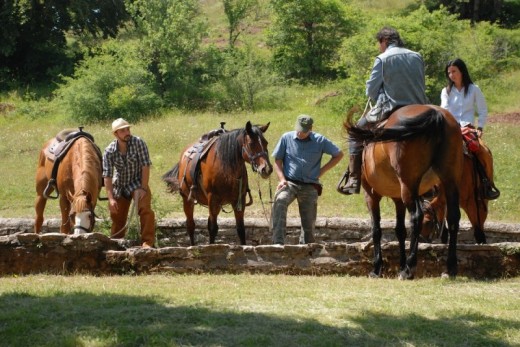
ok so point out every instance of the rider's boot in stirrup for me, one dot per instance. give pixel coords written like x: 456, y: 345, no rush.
x: 353, y: 184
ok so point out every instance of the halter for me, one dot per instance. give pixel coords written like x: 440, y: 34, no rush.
x: 92, y: 218
x: 246, y: 148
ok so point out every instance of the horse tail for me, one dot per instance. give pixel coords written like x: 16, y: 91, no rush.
x: 430, y: 121
x: 171, y: 179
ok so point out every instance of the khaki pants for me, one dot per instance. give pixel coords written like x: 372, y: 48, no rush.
x: 146, y: 218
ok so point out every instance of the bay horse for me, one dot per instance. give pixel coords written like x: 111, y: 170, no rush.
x: 77, y: 182
x: 472, y: 200
x: 218, y: 176
x: 417, y: 147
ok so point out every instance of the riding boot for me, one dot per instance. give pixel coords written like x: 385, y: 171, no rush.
x: 353, y: 184
x: 490, y: 191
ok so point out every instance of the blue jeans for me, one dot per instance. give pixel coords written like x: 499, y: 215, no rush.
x: 307, y: 197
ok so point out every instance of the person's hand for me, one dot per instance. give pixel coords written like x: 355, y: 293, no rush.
x: 112, y: 205
x: 281, y: 184
x: 140, y: 193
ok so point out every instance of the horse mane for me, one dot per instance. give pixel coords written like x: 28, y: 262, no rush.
x: 229, y: 148
x: 432, y: 120
x: 87, y: 160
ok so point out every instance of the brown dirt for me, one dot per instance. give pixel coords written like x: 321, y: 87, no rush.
x: 510, y: 117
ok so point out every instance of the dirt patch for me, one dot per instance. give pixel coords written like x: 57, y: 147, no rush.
x: 510, y: 117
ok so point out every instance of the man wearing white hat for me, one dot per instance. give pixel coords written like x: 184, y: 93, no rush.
x: 126, y: 170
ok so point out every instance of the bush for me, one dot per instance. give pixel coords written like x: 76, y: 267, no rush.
x: 113, y: 84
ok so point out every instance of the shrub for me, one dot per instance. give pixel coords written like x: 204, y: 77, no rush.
x: 115, y: 83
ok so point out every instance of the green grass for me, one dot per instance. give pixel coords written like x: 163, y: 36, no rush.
x: 256, y: 310
x: 21, y: 138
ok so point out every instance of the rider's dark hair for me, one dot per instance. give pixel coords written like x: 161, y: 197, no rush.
x: 391, y: 35
x: 466, y: 79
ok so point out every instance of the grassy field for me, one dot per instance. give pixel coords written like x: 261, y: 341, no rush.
x: 21, y: 139
x: 256, y: 310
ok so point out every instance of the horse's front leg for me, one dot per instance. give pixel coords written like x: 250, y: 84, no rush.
x: 416, y: 216
x: 373, y: 204
x: 400, y: 231
x: 241, y: 230
x: 65, y: 214
x: 189, y: 207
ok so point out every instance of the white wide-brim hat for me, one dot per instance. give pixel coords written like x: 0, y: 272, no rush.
x: 119, y: 123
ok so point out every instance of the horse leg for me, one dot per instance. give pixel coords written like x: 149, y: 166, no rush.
x: 241, y: 230
x: 65, y: 227
x: 375, y: 214
x: 190, y: 222
x: 39, y: 207
x: 452, y: 199
x: 214, y: 209
x: 416, y: 219
x: 400, y: 231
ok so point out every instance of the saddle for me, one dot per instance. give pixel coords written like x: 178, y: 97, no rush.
x: 195, y: 154
x: 57, y: 150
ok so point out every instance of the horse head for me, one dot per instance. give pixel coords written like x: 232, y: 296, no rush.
x: 254, y: 149
x: 82, y: 210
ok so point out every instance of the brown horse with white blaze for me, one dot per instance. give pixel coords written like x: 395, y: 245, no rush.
x: 78, y: 183
x: 220, y: 176
x: 418, y: 146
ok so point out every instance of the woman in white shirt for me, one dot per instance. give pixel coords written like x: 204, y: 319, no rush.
x: 463, y: 99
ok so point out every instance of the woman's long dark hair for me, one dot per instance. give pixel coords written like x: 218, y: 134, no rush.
x: 466, y: 80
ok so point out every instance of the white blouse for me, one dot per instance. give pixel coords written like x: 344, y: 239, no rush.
x: 463, y: 107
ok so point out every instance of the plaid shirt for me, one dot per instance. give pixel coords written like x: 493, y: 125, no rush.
x: 126, y: 169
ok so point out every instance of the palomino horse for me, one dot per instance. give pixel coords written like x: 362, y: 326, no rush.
x: 217, y: 175
x: 417, y: 147
x: 472, y: 200
x: 77, y: 181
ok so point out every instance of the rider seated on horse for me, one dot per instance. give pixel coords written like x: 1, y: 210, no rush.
x: 396, y: 80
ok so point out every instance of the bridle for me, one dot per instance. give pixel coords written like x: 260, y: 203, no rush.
x: 246, y: 148
x: 92, y: 218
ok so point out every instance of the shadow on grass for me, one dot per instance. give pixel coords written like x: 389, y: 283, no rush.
x: 82, y: 319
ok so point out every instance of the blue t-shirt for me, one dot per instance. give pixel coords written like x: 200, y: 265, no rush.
x: 302, y: 158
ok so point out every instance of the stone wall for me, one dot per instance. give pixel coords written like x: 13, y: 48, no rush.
x: 95, y: 253
x: 172, y: 232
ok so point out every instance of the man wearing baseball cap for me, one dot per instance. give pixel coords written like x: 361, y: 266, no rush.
x: 298, y: 167
x: 126, y: 171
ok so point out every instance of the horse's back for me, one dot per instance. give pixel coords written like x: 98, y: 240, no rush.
x: 416, y: 160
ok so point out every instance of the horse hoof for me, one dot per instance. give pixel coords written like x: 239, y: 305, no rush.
x: 447, y: 276
x: 372, y: 274
x: 405, y: 275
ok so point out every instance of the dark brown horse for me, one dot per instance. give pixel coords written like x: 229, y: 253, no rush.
x: 78, y: 183
x: 218, y: 165
x: 419, y: 146
x: 472, y: 200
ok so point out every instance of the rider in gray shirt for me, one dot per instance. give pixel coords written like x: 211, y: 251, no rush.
x: 397, y: 79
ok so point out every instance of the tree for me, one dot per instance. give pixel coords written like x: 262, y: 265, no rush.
x: 171, y: 34
x: 33, y: 35
x: 306, y: 35
x: 236, y: 11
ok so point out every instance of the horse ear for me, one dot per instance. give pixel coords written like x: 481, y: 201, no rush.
x: 249, y: 127
x: 263, y: 128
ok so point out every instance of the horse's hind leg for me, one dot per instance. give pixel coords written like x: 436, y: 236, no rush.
x: 400, y: 231
x: 39, y: 206
x: 416, y: 216
x: 375, y: 213
x: 453, y: 217
x: 214, y: 210
x: 241, y: 230
x: 190, y: 222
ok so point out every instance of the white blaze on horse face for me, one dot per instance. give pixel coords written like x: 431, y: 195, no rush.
x: 83, y: 220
